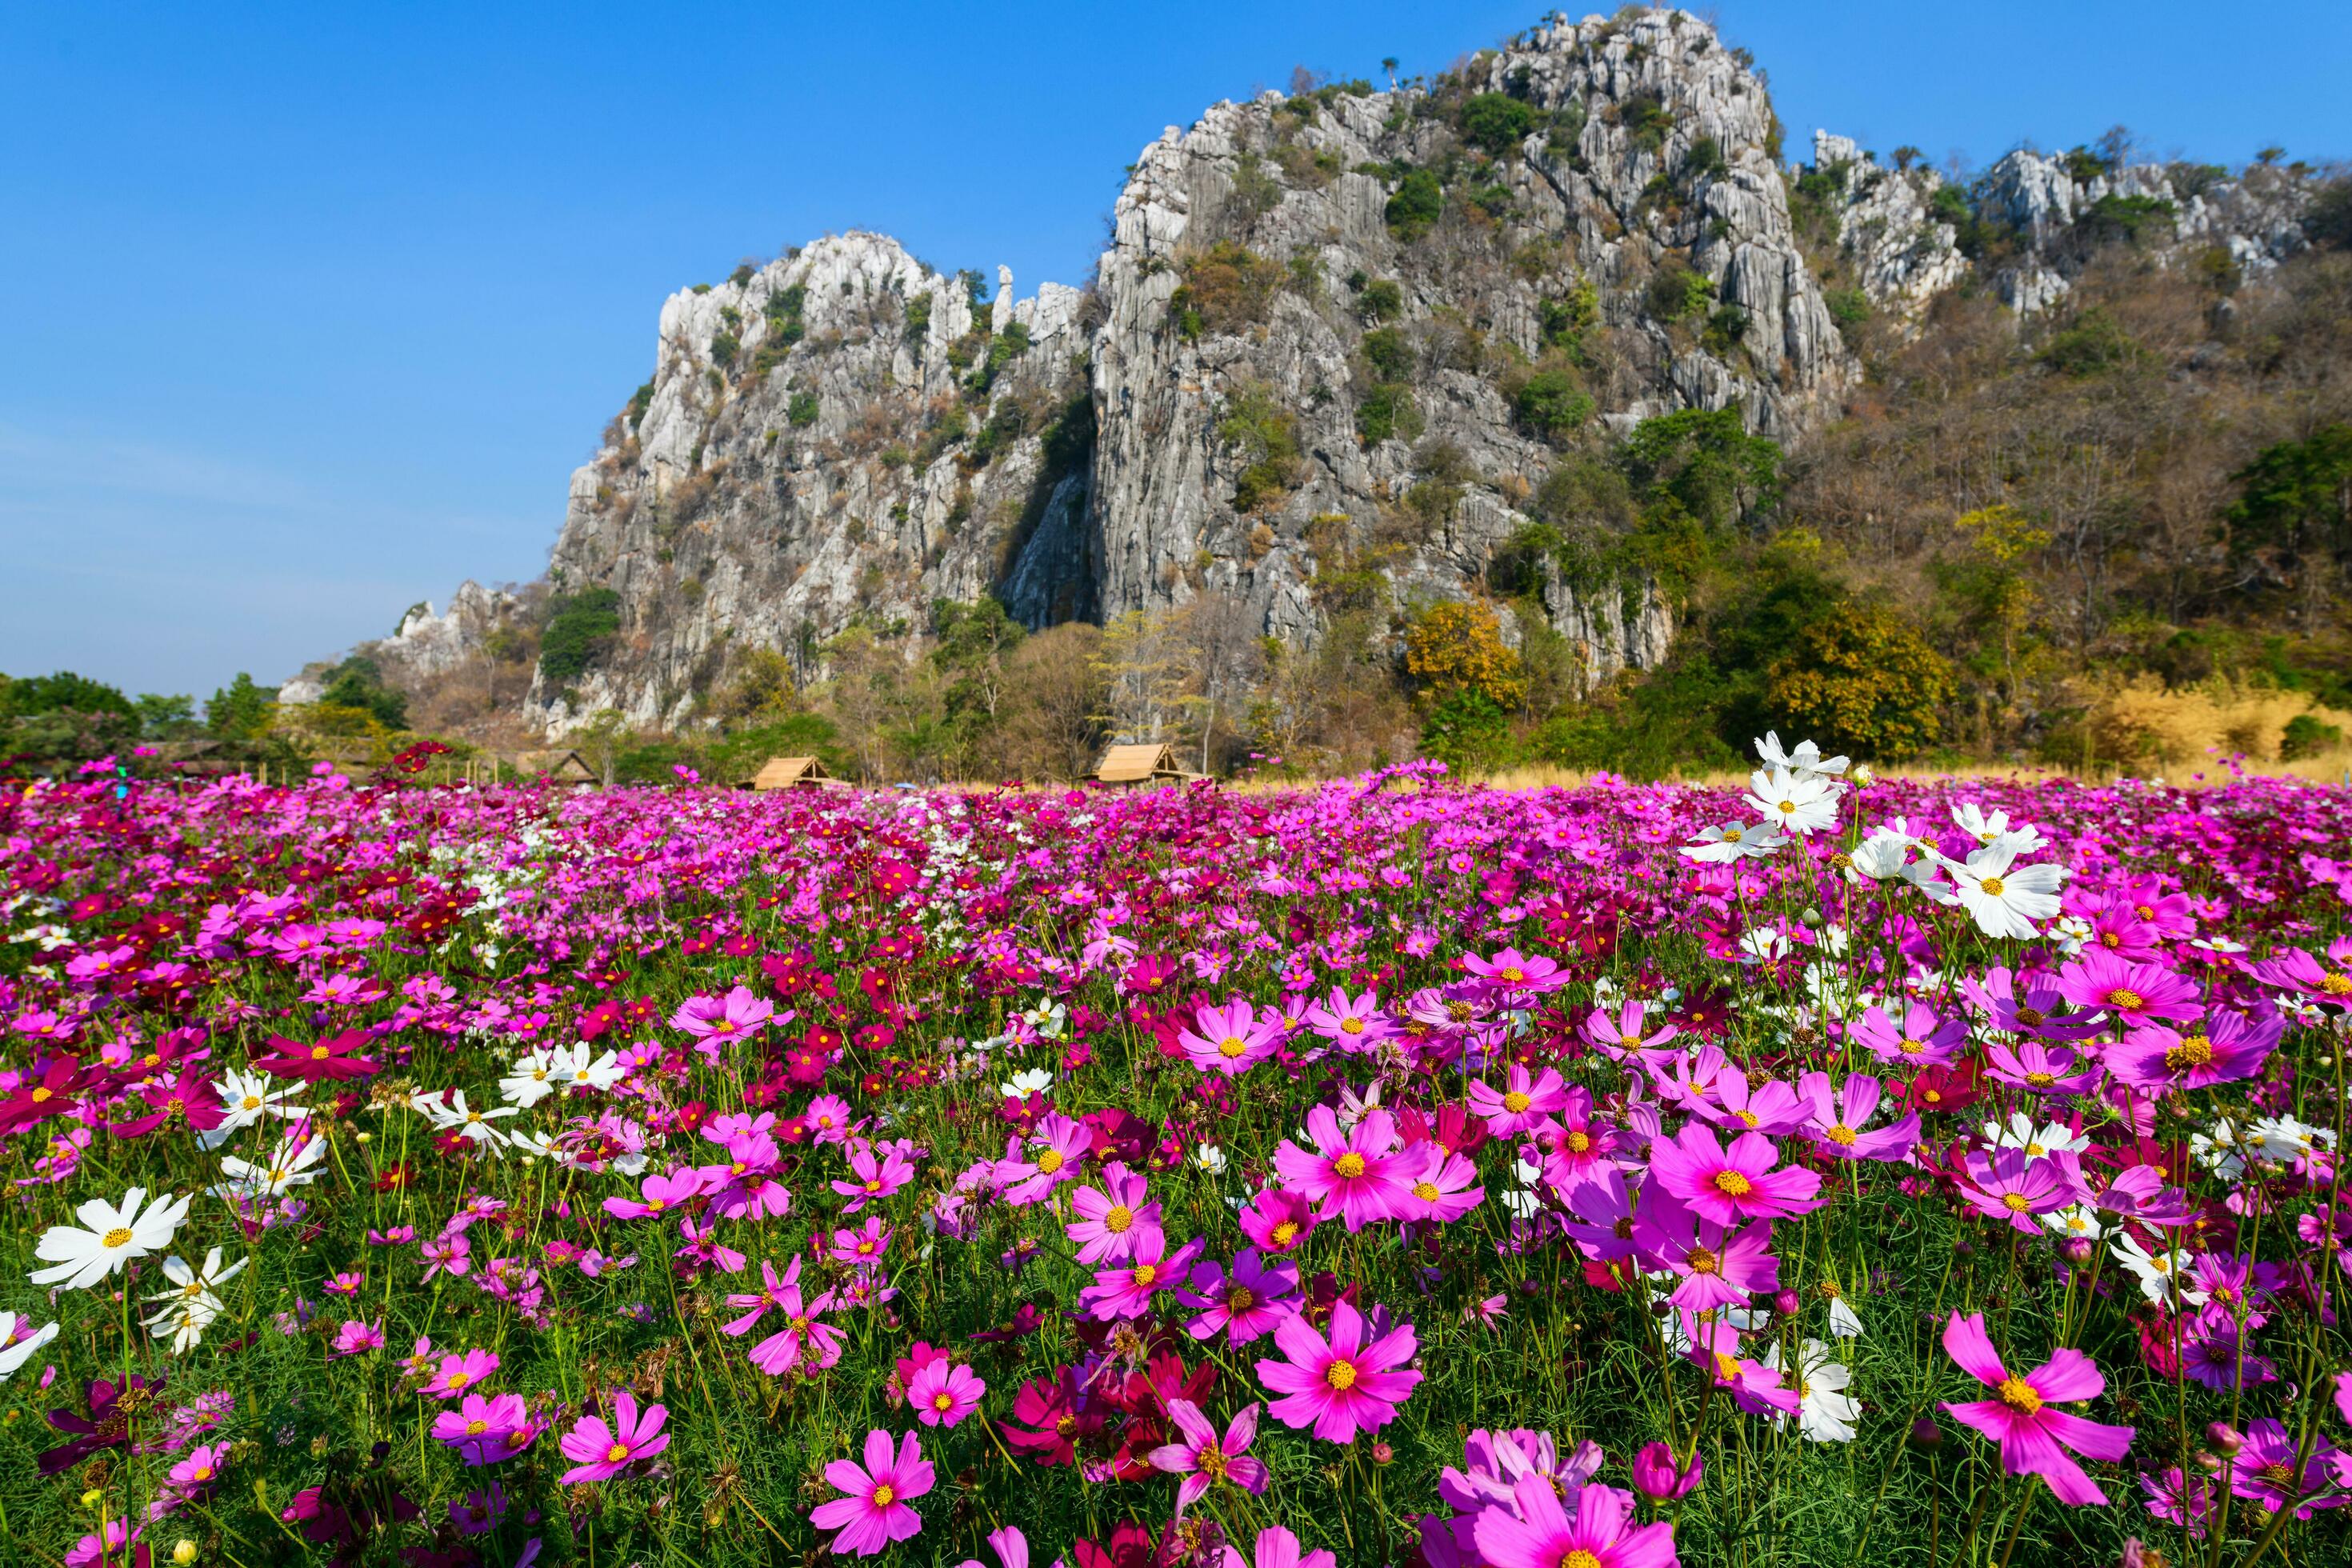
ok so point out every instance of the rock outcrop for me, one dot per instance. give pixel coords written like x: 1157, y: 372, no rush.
x: 1340, y: 336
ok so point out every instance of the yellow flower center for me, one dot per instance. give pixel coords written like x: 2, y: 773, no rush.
x: 1702, y: 1261
x: 1726, y: 1367
x: 1240, y: 1298
x: 119, y: 1237
x: 1515, y: 974
x: 320, y: 1053
x: 2041, y: 1079
x: 1911, y: 1047
x: 459, y: 1380
x: 1146, y: 1273
x: 1349, y: 1164
x: 1351, y: 1025
x: 1576, y: 1141
x: 1992, y: 885
x: 1841, y: 1134
x: 1119, y: 1219
x: 1426, y: 1192
x: 42, y: 1095
x: 943, y: 1402
x: 616, y: 1454
x: 1232, y: 1046
x: 1733, y: 1184
x: 2126, y: 1000
x: 2196, y: 1051
x: 1516, y: 1102
x: 476, y: 1429
x: 1577, y: 1557
x: 1049, y: 1162
x: 2338, y: 984
x: 251, y: 1102
x: 2017, y: 1203
x: 1788, y: 806
x: 1285, y: 1233
x: 1340, y: 1375
x: 2019, y: 1396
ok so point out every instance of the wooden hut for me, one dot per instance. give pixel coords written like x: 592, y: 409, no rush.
x: 1152, y: 761
x: 567, y: 769
x: 791, y: 772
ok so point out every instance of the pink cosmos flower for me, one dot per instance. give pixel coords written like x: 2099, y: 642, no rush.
x: 355, y: 1338
x: 1202, y: 1459
x: 1754, y: 1387
x: 2041, y: 1069
x: 2011, y: 1185
x: 1055, y: 1150
x: 1628, y: 1032
x: 716, y: 1021
x: 1718, y: 1266
x: 2022, y: 1417
x: 1525, y: 1105
x: 1732, y: 1186
x: 1231, y: 1039
x: 1920, y: 1039
x: 448, y: 1253
x: 1836, y: 1119
x: 877, y: 1177
x: 604, y: 1451
x: 460, y: 1373
x: 2136, y: 993
x: 1127, y: 1292
x: 1246, y: 1304
x: 485, y: 1431
x: 659, y: 1193
x: 828, y: 1119
x: 1772, y: 1108
x: 1012, y: 1549
x: 2264, y: 1471
x: 1354, y: 1024
x: 1111, y: 1222
x: 803, y: 1339
x: 1445, y: 1189
x: 875, y: 1512
x: 1341, y: 1385
x: 863, y: 1247
x: 1354, y: 1174
x: 942, y: 1393
x: 1541, y: 1535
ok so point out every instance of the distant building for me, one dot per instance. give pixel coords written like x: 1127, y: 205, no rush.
x: 1152, y: 761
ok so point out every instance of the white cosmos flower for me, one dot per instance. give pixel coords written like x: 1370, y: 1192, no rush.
x: 18, y: 1342
x: 113, y: 1238
x: 2218, y: 1151
x: 1736, y: 841
x: 2154, y: 1270
x: 1803, y: 761
x: 454, y: 1115
x: 2285, y: 1138
x: 289, y: 1165
x: 533, y: 1078
x: 247, y: 1096
x: 186, y: 1321
x: 1023, y: 1084
x: 2005, y: 899
x: 1211, y: 1159
x: 1794, y: 803
x: 1826, y: 1412
x: 198, y: 1286
x: 2019, y: 1132
x: 2078, y: 1220
x: 1973, y: 820
x: 1846, y: 1324
x: 579, y: 1067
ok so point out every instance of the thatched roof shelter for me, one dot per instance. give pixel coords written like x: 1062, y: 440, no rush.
x: 791, y: 772
x: 1151, y: 761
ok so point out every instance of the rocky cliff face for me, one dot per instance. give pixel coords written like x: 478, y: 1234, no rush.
x: 1337, y: 338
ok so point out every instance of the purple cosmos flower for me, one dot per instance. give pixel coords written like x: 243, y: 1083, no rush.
x: 1729, y: 1186
x: 1718, y: 1266
x: 875, y: 1512
x: 2024, y: 1417
x: 1541, y: 1533
x: 1111, y: 1221
x: 1355, y: 1174
x: 1246, y: 1304
x: 1202, y: 1459
x: 602, y: 1451
x: 1341, y: 1385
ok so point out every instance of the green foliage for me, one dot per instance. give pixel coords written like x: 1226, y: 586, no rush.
x: 1675, y: 291
x: 1226, y: 288
x: 2307, y: 736
x: 724, y: 346
x: 580, y: 631
x: 1861, y: 678
x: 1380, y: 300
x: 2092, y: 345
x: 1496, y: 122
x: 639, y: 401
x: 2082, y: 163
x: 1726, y: 330
x: 1850, y: 308
x: 2129, y: 219
x: 1646, y: 120
x: 62, y: 692
x: 1390, y: 353
x: 1003, y: 350
x: 2295, y: 497
x: 1267, y: 436
x: 802, y: 411
x: 918, y: 320
x: 1415, y: 208
x: 1255, y: 191
x: 1387, y: 412
x: 241, y: 711
x: 358, y: 683
x: 1565, y: 321
x: 1706, y: 462
x: 1553, y: 405
x: 166, y: 718
x: 1705, y: 160
x: 786, y: 312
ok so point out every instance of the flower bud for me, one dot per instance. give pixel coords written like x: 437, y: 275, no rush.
x: 184, y: 1553
x: 1382, y: 1454
x: 2225, y: 1438
x: 1656, y: 1477
x: 1926, y: 1434
x: 2078, y: 1250
x: 1786, y: 1302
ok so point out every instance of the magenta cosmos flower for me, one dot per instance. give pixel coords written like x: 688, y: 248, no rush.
x: 2021, y: 1417
x: 1542, y: 1534
x: 460, y: 1373
x: 1278, y: 1221
x: 1838, y: 1117
x: 2225, y: 1048
x: 604, y: 1451
x: 1054, y: 1152
x: 1204, y: 1458
x: 1355, y: 1174
x: 942, y: 1393
x: 1111, y: 1221
x: 875, y: 1512
x: 2136, y: 993
x: 1524, y: 1105
x: 1231, y: 1039
x: 715, y: 1021
x: 1729, y: 1186
x: 1127, y: 1292
x: 487, y: 1431
x: 2011, y: 1185
x: 1246, y: 1304
x: 1717, y: 1266
x: 1919, y: 1039
x: 1341, y: 1385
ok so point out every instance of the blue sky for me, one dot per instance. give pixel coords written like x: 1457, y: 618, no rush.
x: 310, y: 310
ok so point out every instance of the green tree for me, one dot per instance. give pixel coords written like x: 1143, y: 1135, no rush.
x: 1862, y: 679
x: 1705, y: 460
x: 1496, y: 122
x: 2295, y: 497
x: 1414, y: 210
x: 64, y: 692
x: 580, y: 629
x: 241, y: 711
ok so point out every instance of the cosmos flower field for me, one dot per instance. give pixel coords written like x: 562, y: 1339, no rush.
x: 1393, y: 1171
